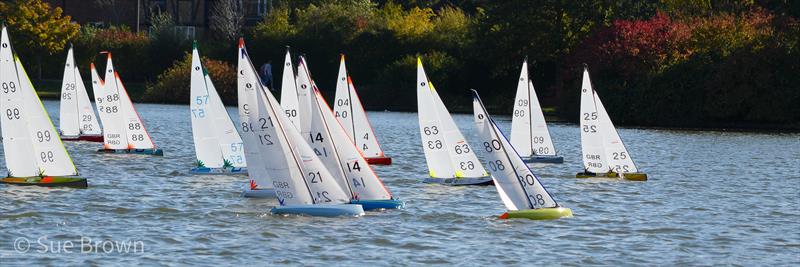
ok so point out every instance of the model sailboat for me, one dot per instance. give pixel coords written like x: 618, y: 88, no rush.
x: 77, y: 121
x: 348, y: 109
x: 604, y: 154
x: 302, y: 183
x: 450, y: 159
x: 289, y: 100
x: 217, y: 144
x: 124, y: 131
x: 33, y: 152
x: 520, y: 189
x: 339, y: 155
x: 529, y: 133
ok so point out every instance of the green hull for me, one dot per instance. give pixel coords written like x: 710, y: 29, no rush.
x: 47, y: 181
x: 538, y: 214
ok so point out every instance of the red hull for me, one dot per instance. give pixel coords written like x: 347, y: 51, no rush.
x: 379, y: 161
x: 87, y: 138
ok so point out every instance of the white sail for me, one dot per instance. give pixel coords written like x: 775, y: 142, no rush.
x: 594, y: 159
x: 107, y: 101
x: 518, y: 186
x: 69, y: 121
x: 247, y: 103
x: 89, y: 123
x: 206, y: 143
x: 303, y: 121
x: 446, y: 151
x: 298, y: 174
x: 229, y: 140
x: 351, y: 114
x: 31, y: 144
x: 289, y: 89
x: 617, y: 156
x: 529, y: 133
x: 316, y: 132
x: 138, y: 138
x: 360, y: 178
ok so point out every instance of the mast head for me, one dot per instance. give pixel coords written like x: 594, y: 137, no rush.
x: 241, y: 42
x: 194, y: 44
x: 585, y: 66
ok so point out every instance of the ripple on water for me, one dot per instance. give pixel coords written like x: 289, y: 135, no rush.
x: 713, y: 198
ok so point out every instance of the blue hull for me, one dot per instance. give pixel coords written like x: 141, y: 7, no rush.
x: 259, y: 193
x: 320, y: 210
x: 460, y: 181
x: 218, y: 171
x: 544, y: 159
x: 152, y: 151
x: 379, y: 204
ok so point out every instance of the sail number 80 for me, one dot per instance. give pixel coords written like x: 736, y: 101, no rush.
x: 491, y: 146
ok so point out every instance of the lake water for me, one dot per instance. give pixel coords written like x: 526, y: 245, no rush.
x: 712, y: 198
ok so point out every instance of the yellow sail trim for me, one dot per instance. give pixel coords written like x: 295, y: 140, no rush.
x: 52, y: 127
x: 432, y: 173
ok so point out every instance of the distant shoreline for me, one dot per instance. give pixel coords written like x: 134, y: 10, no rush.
x: 716, y: 127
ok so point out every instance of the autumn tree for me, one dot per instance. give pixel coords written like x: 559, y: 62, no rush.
x: 36, y: 28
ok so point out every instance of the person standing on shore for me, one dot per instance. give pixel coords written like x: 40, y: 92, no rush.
x: 266, y: 74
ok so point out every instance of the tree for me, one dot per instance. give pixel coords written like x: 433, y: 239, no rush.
x: 227, y: 19
x: 37, y: 28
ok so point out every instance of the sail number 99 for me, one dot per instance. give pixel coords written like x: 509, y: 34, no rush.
x: 12, y: 114
x: 9, y: 87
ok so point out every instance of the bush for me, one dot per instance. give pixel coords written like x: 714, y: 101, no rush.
x: 696, y: 71
x: 130, y: 50
x: 173, y: 86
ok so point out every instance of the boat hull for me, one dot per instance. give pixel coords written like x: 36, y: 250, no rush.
x: 538, y: 214
x: 379, y: 204
x: 635, y: 176
x: 320, y: 210
x: 87, y: 138
x: 460, y: 181
x: 259, y: 193
x: 379, y: 160
x: 47, y: 181
x: 150, y: 151
x: 596, y: 175
x: 544, y: 159
x: 218, y: 171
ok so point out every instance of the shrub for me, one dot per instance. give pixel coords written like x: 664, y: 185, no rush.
x: 173, y: 86
x: 130, y: 51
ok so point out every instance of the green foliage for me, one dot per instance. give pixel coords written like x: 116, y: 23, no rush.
x: 275, y: 26
x: 692, y: 70
x: 36, y: 27
x: 130, y: 50
x: 173, y: 85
